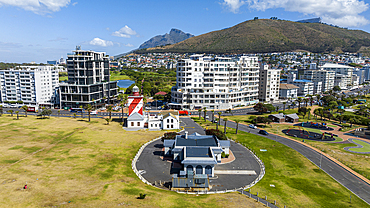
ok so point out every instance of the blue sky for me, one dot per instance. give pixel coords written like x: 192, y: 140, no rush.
x: 41, y: 30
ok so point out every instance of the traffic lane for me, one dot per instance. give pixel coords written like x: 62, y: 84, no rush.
x: 190, y: 126
x: 347, y: 179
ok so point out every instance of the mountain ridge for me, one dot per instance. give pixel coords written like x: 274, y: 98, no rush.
x: 174, y: 36
x: 264, y: 35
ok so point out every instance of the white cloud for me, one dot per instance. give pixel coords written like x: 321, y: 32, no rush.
x: 129, y: 45
x: 74, y: 3
x: 233, y: 5
x: 37, y: 6
x: 124, y: 32
x: 339, y: 12
x: 101, y: 42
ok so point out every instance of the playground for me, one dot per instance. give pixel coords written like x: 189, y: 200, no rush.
x: 302, y: 133
x: 314, y: 125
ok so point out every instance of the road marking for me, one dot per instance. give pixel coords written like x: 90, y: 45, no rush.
x: 236, y: 172
x: 141, y: 172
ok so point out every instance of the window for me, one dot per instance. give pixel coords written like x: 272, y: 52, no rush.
x: 168, y: 126
x: 171, y: 120
x: 138, y: 123
x: 132, y: 124
x: 171, y: 126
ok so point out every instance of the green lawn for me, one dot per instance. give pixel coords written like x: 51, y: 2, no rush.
x: 61, y: 79
x: 298, y: 182
x: 114, y: 76
x: 366, y: 146
x: 83, y: 165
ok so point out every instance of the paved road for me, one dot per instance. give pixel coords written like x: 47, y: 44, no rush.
x: 190, y: 126
x: 347, y: 179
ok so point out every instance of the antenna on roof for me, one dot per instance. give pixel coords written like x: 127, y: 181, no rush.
x: 78, y: 47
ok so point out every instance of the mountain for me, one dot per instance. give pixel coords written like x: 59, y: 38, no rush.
x: 265, y: 36
x: 174, y: 36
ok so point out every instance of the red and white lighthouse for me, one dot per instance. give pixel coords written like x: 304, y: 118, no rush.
x: 135, y: 102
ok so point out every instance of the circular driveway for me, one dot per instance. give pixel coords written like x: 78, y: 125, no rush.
x: 228, y: 176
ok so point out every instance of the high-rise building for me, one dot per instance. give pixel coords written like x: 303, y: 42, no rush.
x: 305, y: 86
x: 326, y: 77
x: 339, y: 71
x: 88, y: 80
x: 269, y: 84
x: 34, y: 85
x: 215, y: 82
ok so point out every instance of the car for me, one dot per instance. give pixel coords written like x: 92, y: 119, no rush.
x: 252, y: 126
x: 215, y: 121
x: 94, y: 112
x: 207, y: 117
x: 263, y: 132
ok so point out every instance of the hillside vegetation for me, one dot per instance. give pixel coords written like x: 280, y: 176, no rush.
x: 265, y: 35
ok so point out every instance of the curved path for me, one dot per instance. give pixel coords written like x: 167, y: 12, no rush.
x: 357, y: 147
x: 353, y: 181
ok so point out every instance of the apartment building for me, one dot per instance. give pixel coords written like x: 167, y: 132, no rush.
x: 88, y: 80
x: 269, y: 84
x: 326, y: 77
x: 340, y: 70
x: 215, y: 82
x: 34, y: 85
x: 305, y: 86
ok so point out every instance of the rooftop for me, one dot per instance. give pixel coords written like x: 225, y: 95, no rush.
x: 288, y: 86
x: 198, y: 152
x: 196, y: 141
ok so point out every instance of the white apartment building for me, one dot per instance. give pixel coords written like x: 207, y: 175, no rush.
x: 343, y: 81
x: 215, y: 83
x: 326, y: 77
x: 305, y: 86
x: 34, y: 85
x: 269, y: 84
x: 340, y: 69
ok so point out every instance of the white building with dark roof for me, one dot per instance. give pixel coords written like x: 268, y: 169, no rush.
x: 287, y: 91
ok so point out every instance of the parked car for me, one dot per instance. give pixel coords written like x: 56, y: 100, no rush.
x: 94, y: 112
x: 207, y: 117
x: 263, y: 132
x: 252, y: 126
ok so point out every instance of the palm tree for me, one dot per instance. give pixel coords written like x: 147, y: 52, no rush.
x: 122, y: 104
x: 89, y: 108
x: 225, y: 120
x: 109, y: 109
x: 277, y: 108
x: 82, y: 115
x: 11, y: 112
x: 58, y: 113
x: 306, y: 101
x: 299, y: 100
x: 108, y: 120
x: 199, y: 112
x: 205, y: 113
x: 284, y: 103
x: 213, y: 115
x: 17, y: 112
x: 93, y: 100
x: 74, y: 115
x: 25, y: 108
x: 1, y: 110
x: 237, y: 125
x: 219, y: 119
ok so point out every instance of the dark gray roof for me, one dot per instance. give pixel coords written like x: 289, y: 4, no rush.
x: 135, y: 117
x: 224, y: 143
x: 196, y: 141
x: 198, y: 152
x: 168, y: 142
x: 279, y: 116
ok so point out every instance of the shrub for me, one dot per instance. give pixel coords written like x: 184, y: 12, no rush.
x: 219, y: 134
x: 169, y: 135
x: 142, y: 196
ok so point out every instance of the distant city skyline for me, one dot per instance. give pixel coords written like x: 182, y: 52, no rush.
x: 35, y: 31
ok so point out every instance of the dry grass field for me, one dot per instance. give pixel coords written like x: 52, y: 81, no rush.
x: 82, y: 164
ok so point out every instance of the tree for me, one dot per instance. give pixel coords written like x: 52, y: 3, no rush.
x: 89, y: 108
x: 225, y: 120
x: 74, y: 115
x: 213, y: 115
x: 82, y: 111
x: 303, y: 111
x: 25, y: 108
x: 284, y: 103
x: 351, y: 121
x: 340, y: 111
x: 219, y: 119
x: 260, y: 107
x: 270, y: 107
x: 17, y: 112
x: 123, y: 102
x: 58, y: 113
x: 11, y: 112
x: 205, y: 113
x: 199, y: 112
x: 306, y: 101
x: 299, y: 100
x: 237, y: 125
x: 1, y: 110
x: 337, y: 89
x: 110, y: 109
x: 262, y: 119
x: 107, y: 120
